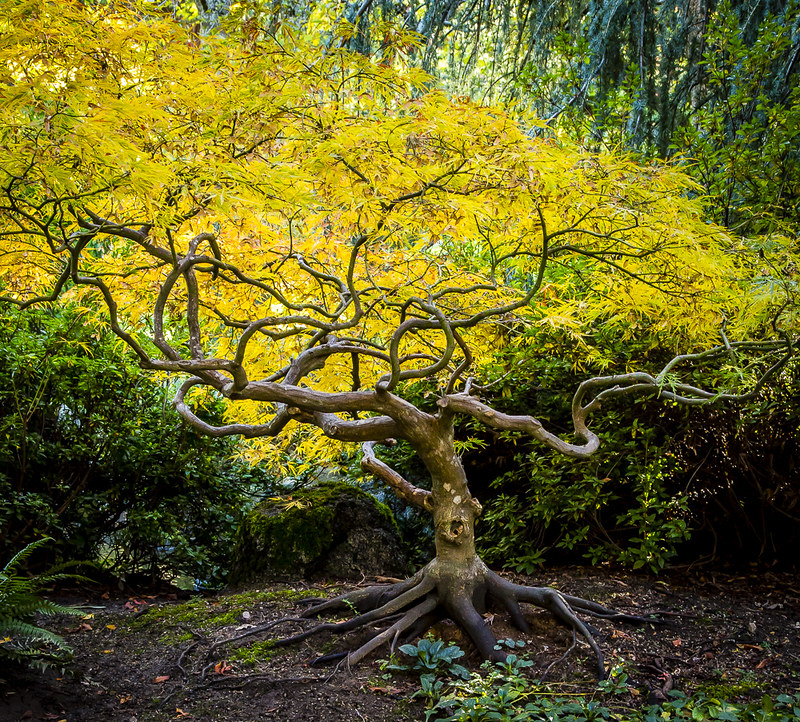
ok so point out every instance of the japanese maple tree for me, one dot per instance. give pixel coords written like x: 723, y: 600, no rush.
x: 303, y: 232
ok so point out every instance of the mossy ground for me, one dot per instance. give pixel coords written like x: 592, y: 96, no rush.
x: 132, y: 665
x: 252, y: 654
x: 181, y: 621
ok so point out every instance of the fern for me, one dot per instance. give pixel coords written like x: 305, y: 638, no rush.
x: 20, y: 600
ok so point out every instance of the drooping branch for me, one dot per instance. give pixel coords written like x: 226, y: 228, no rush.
x: 635, y: 384
x: 390, y: 381
x: 466, y: 404
x: 249, y: 431
x: 401, y: 486
x: 601, y: 388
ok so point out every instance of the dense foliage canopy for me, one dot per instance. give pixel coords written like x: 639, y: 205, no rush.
x: 93, y: 455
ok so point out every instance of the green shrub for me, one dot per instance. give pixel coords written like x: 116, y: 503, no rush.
x: 431, y: 656
x: 93, y: 455
x: 503, y: 692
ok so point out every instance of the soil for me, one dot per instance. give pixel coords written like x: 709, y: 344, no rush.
x: 150, y: 657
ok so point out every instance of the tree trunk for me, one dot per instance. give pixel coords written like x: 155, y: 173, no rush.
x: 456, y: 584
x: 461, y: 576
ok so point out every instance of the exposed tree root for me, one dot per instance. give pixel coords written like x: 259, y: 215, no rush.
x: 399, y: 612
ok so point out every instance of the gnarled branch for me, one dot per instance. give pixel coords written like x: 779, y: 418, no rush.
x: 400, y: 486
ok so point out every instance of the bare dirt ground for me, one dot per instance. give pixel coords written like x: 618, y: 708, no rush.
x: 154, y: 657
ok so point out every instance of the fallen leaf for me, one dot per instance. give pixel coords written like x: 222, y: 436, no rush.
x: 222, y: 668
x: 107, y: 651
x: 763, y: 663
x: 677, y: 642
x: 385, y: 690
x: 80, y: 628
x: 112, y: 627
x: 161, y: 678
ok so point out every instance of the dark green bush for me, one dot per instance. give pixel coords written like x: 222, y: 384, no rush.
x: 540, y: 505
x: 726, y: 475
x: 93, y: 455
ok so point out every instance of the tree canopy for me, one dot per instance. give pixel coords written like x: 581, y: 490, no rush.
x: 342, y: 199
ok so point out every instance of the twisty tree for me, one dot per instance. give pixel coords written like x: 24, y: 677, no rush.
x: 305, y: 232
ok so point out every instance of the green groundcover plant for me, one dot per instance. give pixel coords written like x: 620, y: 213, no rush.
x: 21, y: 639
x: 504, y: 692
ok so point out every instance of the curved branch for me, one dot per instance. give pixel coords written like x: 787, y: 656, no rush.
x: 621, y: 385
x: 390, y: 381
x: 643, y: 384
x: 463, y: 403
x: 400, y: 486
x: 374, y: 428
x: 463, y: 367
x: 249, y: 431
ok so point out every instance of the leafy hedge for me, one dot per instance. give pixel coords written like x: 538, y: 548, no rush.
x: 93, y: 455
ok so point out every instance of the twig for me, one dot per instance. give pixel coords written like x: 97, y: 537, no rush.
x: 243, y: 680
x: 561, y: 658
x: 183, y: 654
x: 250, y: 632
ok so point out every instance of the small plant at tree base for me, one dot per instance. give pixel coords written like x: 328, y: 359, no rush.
x: 503, y: 691
x: 616, y: 682
x: 432, y: 657
x: 20, y: 599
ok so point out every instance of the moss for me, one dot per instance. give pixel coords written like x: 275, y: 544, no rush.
x: 197, y: 614
x: 289, y: 535
x: 210, y: 613
x: 293, y: 595
x: 729, y: 691
x: 254, y: 653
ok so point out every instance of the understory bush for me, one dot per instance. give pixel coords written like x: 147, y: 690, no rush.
x: 540, y: 505
x: 93, y: 455
x: 725, y: 476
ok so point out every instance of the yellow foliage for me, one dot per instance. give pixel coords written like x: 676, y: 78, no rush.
x: 341, y: 191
